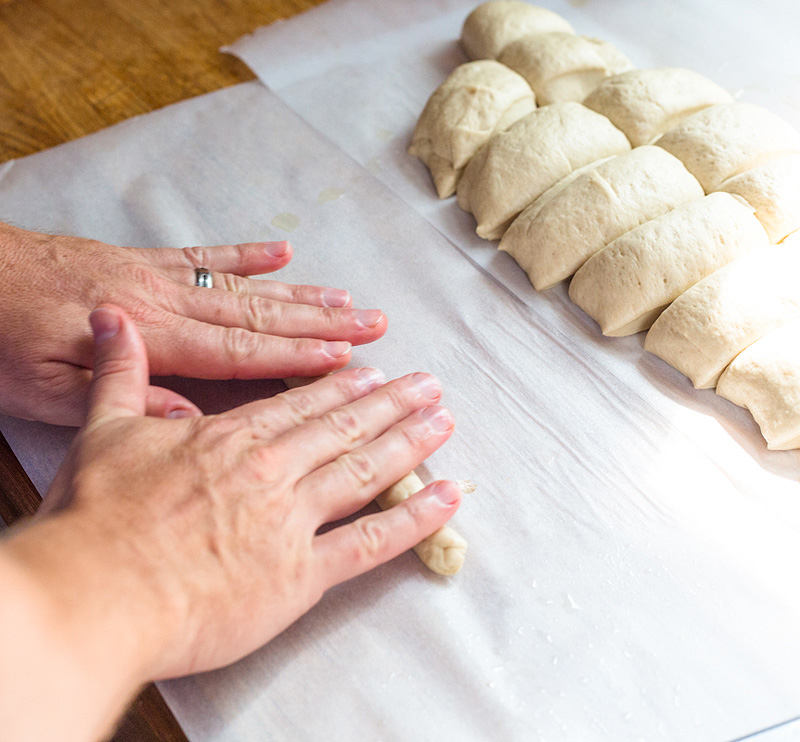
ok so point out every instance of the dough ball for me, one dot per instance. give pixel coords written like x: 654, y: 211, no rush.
x: 563, y: 67
x: 765, y: 378
x: 628, y: 283
x: 516, y: 166
x: 478, y: 99
x: 702, y: 331
x: 493, y: 25
x: 773, y: 190
x: 646, y: 103
x: 727, y: 139
x: 580, y: 215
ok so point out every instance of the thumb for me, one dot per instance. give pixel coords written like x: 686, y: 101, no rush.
x: 121, y: 376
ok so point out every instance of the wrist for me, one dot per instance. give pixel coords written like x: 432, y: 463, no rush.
x: 85, y: 633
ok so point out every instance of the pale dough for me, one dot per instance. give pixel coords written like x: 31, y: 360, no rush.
x: 727, y: 139
x: 765, y: 378
x: 706, y: 327
x: 773, y: 190
x: 646, y: 103
x: 515, y: 167
x: 492, y: 26
x: 562, y: 66
x: 579, y: 216
x: 628, y: 283
x: 476, y: 100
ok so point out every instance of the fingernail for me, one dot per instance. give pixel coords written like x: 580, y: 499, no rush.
x: 444, y: 492
x: 438, y: 418
x: 180, y: 412
x: 427, y: 385
x: 105, y: 324
x: 369, y: 317
x: 370, y: 378
x: 336, y: 349
x: 335, y: 298
x: 276, y: 249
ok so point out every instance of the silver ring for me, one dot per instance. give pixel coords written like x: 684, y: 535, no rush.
x: 202, y: 278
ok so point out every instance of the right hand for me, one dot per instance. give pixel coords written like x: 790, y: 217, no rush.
x: 200, y: 535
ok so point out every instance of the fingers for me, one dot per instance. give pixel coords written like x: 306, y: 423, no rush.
x: 358, y: 547
x: 185, y: 347
x: 120, y: 378
x: 341, y: 430
x: 284, y: 319
x: 166, y: 403
x: 285, y: 411
x: 347, y: 484
x: 247, y: 259
x: 318, y: 296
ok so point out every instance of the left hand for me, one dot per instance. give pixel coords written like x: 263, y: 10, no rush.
x: 241, y: 328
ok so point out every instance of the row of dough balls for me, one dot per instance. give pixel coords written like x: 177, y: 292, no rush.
x: 652, y: 188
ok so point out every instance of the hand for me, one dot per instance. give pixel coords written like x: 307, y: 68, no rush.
x: 241, y: 328
x: 185, y: 544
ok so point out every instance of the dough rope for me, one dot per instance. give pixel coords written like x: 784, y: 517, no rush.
x: 572, y: 188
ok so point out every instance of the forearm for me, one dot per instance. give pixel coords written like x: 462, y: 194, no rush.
x: 71, y: 650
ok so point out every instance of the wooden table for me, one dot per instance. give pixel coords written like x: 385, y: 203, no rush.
x: 73, y: 67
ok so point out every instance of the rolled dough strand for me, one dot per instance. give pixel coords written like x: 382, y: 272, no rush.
x: 444, y: 550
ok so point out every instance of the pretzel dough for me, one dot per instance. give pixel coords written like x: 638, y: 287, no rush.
x: 626, y: 285
x: 765, y: 378
x: 646, y: 103
x: 773, y: 190
x: 706, y: 327
x: 493, y: 25
x: 727, y: 139
x: 561, y: 66
x: 477, y: 99
x: 515, y: 167
x: 578, y: 217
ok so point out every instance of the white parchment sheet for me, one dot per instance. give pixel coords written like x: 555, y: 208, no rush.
x: 633, y: 553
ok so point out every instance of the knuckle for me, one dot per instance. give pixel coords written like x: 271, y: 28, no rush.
x: 345, y: 425
x: 415, y: 435
x: 416, y: 512
x: 396, y: 398
x: 360, y: 467
x: 238, y: 345
x: 331, y: 317
x: 298, y: 404
x: 232, y: 283
x: 371, y: 539
x: 260, y: 314
x: 197, y: 256
x: 304, y: 294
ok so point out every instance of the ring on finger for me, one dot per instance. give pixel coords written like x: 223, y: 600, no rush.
x: 203, y: 278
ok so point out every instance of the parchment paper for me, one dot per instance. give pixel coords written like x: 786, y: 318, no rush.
x: 633, y: 545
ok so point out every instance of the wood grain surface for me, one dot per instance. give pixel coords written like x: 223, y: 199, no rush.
x: 72, y: 67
